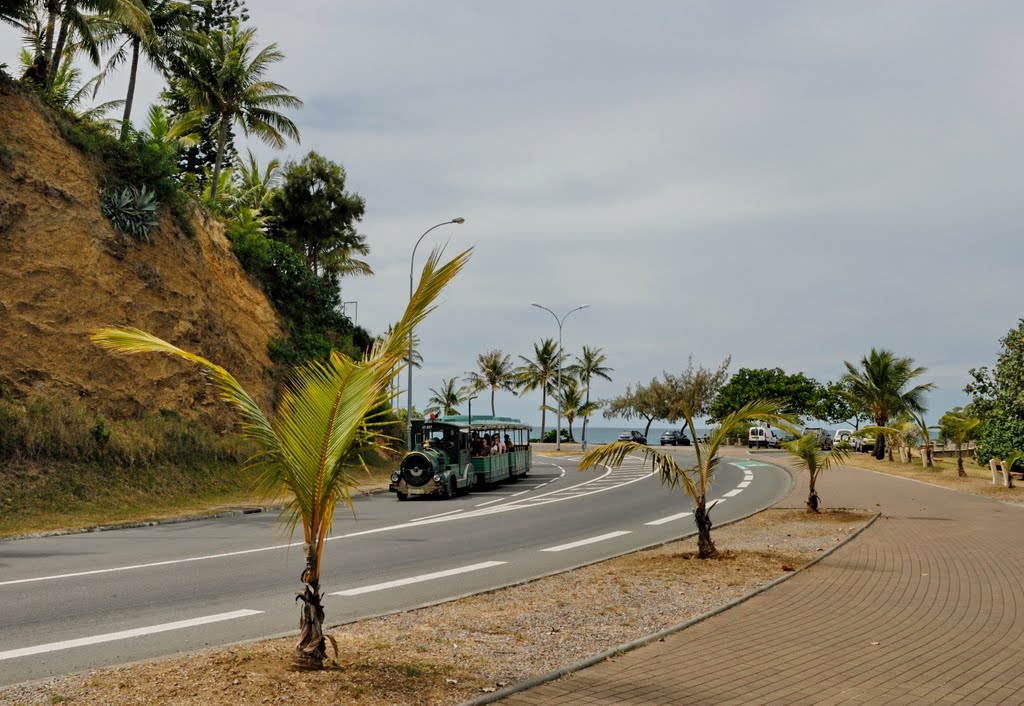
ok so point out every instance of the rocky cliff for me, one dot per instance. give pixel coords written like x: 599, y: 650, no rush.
x: 65, y: 271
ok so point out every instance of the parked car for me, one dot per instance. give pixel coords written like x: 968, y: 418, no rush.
x: 633, y: 436
x: 824, y: 438
x: 865, y: 444
x: 763, y: 437
x: 844, y: 436
x: 676, y: 438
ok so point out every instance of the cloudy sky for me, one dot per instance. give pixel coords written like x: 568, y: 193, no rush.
x: 788, y: 183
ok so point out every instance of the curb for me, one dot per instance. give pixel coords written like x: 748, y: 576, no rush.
x: 629, y: 646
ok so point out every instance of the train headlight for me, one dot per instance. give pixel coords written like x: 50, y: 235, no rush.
x: 437, y: 478
x: 394, y: 477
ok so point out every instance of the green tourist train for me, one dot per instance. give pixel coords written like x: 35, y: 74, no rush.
x: 453, y: 455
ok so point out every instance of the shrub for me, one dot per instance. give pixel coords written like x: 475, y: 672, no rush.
x: 132, y: 210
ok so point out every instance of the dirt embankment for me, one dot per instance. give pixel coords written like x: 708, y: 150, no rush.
x: 65, y: 271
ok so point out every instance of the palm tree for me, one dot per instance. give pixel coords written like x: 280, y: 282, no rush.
x: 923, y: 431
x: 696, y: 481
x: 16, y: 12
x: 448, y: 398
x: 220, y: 77
x: 495, y: 372
x: 539, y: 373
x: 879, y: 386
x: 309, y: 447
x: 588, y: 366
x: 958, y: 428
x: 808, y: 455
x: 255, y: 184
x: 570, y: 399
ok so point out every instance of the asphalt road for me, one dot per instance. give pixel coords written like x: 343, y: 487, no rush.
x: 74, y: 602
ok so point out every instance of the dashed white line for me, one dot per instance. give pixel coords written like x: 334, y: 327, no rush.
x: 125, y: 634
x: 733, y: 493
x: 583, y: 542
x: 670, y: 518
x: 417, y: 579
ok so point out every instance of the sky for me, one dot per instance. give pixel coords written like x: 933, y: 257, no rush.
x: 786, y: 183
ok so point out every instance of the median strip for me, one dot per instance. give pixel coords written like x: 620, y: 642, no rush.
x: 125, y: 634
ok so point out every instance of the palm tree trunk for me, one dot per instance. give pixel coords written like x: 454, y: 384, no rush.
x: 311, y: 650
x: 493, y: 414
x: 58, y: 52
x: 543, y: 407
x: 52, y: 10
x: 813, y: 501
x: 222, y: 138
x: 569, y: 420
x: 960, y: 462
x: 705, y: 547
x: 126, y: 120
x: 880, y: 446
x: 587, y: 418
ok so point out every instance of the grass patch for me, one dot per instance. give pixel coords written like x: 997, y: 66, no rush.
x: 943, y: 473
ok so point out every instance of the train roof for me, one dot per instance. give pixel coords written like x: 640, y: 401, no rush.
x: 481, y: 421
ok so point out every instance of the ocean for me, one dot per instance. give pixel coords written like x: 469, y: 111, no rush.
x: 605, y: 435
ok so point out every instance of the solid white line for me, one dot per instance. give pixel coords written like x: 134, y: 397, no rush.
x: 516, y: 495
x: 670, y: 518
x: 124, y: 634
x: 440, y: 514
x: 489, y: 502
x: 417, y: 579
x: 582, y: 542
x: 733, y: 493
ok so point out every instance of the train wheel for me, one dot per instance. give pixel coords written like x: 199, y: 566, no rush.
x: 449, y: 490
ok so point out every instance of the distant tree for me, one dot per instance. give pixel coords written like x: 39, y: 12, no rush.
x: 447, y: 399
x: 695, y: 480
x: 958, y: 427
x: 694, y: 390
x: 312, y: 212
x: 797, y: 393
x: 494, y: 371
x: 998, y: 400
x: 570, y: 400
x: 589, y: 365
x: 209, y: 15
x: 540, y: 373
x: 835, y: 407
x: 257, y: 184
x: 648, y: 402
x: 880, y: 386
x: 809, y: 456
x: 221, y: 76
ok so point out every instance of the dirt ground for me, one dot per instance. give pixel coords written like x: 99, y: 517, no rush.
x: 448, y: 653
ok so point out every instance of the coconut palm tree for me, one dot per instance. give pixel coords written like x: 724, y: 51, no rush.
x: 79, y: 27
x: 16, y: 12
x: 588, y: 366
x: 494, y: 372
x: 448, y: 398
x: 257, y: 184
x: 539, y: 373
x: 696, y: 481
x: 958, y: 428
x: 879, y: 386
x: 308, y: 448
x: 570, y: 399
x: 221, y: 76
x: 809, y: 456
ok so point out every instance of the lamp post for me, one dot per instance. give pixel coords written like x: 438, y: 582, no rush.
x: 558, y: 433
x: 408, y: 410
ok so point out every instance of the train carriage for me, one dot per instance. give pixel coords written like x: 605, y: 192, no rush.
x: 448, y: 456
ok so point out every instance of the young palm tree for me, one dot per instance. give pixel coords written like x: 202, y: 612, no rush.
x: 539, y: 373
x: 924, y: 433
x: 570, y: 399
x: 255, y: 184
x: 958, y: 428
x: 696, y: 481
x: 588, y: 366
x: 221, y: 75
x: 307, y: 450
x: 495, y: 372
x: 879, y: 386
x: 448, y: 398
x: 808, y: 455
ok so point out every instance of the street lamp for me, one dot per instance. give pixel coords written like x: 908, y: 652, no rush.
x: 408, y: 411
x: 558, y: 433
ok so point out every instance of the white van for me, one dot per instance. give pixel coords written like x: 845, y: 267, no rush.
x: 843, y: 436
x: 762, y: 438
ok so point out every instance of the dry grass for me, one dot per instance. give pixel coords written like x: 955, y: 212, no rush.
x: 977, y: 482
x: 448, y: 653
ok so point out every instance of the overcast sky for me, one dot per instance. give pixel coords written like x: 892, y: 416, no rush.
x: 788, y: 183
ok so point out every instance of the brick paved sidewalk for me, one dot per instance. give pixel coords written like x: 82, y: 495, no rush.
x: 926, y: 606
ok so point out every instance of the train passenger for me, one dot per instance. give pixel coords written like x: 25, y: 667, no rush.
x: 509, y: 446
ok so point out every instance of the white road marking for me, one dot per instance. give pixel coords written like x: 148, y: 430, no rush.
x: 416, y: 579
x: 490, y: 502
x: 516, y: 495
x: 440, y: 514
x: 125, y: 634
x: 744, y: 484
x: 582, y: 542
x: 733, y: 493
x: 670, y: 518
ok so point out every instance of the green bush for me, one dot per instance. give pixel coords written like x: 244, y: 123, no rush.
x: 132, y: 210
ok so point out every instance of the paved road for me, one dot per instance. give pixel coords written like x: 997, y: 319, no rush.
x: 80, y: 601
x: 926, y: 606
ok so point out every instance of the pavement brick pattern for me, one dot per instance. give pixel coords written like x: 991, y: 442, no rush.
x: 924, y: 607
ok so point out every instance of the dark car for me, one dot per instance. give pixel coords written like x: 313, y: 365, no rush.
x: 633, y: 436
x: 676, y: 438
